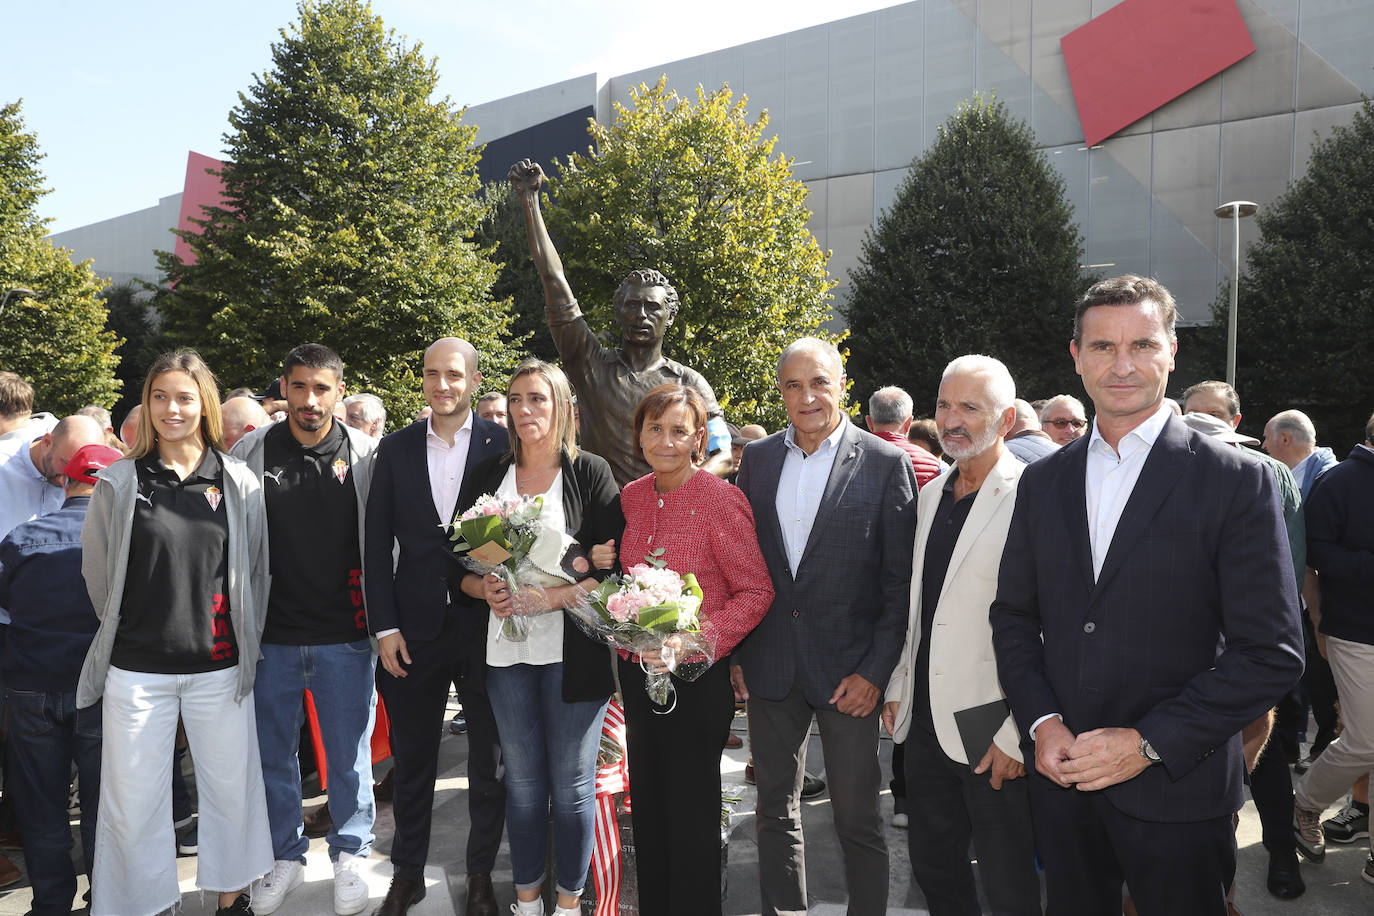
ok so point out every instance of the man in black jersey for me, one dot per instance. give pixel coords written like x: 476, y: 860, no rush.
x: 315, y: 474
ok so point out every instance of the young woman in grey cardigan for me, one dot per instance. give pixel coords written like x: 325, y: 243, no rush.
x: 174, y: 556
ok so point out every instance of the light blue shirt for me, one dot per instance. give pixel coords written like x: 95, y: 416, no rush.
x: 25, y: 494
x: 800, y: 487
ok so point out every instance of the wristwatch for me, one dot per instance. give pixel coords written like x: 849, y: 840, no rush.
x: 1148, y: 751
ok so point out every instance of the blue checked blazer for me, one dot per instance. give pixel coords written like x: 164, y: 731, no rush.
x: 846, y: 611
x: 1190, y: 632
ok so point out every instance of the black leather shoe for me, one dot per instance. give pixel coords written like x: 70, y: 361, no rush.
x: 481, y: 898
x: 1285, y: 879
x: 403, y: 894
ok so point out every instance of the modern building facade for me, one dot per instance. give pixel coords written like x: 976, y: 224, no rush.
x: 853, y: 101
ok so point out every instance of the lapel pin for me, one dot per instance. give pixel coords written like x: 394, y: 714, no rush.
x: 488, y: 442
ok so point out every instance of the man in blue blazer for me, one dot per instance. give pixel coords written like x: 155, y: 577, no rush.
x: 1146, y: 612
x: 428, y: 632
x: 835, y: 510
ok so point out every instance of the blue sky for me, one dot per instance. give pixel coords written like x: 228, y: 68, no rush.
x: 117, y: 93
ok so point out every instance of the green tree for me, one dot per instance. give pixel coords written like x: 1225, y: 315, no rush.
x: 1306, y: 307
x: 696, y: 192
x: 502, y: 230
x: 350, y: 204
x: 978, y: 254
x: 54, y: 339
x: 133, y: 317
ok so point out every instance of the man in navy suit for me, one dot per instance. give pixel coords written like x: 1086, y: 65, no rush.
x: 1145, y: 612
x: 835, y: 510
x: 428, y: 632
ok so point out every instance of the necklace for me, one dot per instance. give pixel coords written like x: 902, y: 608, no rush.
x: 534, y: 482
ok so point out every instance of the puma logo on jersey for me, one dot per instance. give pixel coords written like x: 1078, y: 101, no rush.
x: 275, y: 475
x: 147, y: 499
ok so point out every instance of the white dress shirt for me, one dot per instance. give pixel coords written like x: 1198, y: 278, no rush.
x: 1111, y: 477
x: 800, y: 487
x: 447, y: 461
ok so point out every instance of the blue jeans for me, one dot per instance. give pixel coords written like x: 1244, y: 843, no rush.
x: 47, y: 733
x: 340, y: 677
x: 550, y: 752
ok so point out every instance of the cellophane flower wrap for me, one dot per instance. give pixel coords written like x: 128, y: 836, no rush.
x: 651, y: 608
x: 513, y: 526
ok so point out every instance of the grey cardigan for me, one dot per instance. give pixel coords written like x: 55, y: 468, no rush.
x: 105, y: 562
x: 362, y: 450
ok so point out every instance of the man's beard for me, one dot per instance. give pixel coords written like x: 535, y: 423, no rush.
x: 977, y: 444
x: 308, y: 425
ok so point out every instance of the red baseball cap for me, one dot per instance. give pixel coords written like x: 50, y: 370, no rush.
x: 88, y: 459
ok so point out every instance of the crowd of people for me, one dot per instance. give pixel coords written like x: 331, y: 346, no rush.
x: 1086, y: 632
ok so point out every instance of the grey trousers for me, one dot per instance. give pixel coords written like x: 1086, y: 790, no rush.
x: 1352, y: 754
x: 777, y: 736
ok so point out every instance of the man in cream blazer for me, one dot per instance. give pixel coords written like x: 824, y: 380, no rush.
x: 964, y: 770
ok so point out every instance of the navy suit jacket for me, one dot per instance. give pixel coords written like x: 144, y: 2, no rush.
x: 845, y: 611
x: 1190, y: 632
x: 400, y: 509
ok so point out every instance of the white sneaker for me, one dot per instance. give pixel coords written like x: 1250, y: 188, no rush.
x: 271, y: 889
x: 533, y: 908
x: 350, y: 890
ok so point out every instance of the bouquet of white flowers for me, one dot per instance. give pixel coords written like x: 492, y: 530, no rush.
x: 497, y: 535
x: 651, y: 611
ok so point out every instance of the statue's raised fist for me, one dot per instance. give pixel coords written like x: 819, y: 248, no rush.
x: 526, y: 177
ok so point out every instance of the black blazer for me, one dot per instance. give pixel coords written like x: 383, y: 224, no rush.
x: 1189, y: 633
x: 591, y: 506
x: 400, y: 510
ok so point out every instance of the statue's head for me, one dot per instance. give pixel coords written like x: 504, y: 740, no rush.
x: 645, y: 305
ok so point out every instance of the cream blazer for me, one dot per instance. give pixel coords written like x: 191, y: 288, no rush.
x: 963, y: 669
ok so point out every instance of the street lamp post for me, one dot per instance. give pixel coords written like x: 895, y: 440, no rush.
x: 21, y: 290
x: 1235, y: 210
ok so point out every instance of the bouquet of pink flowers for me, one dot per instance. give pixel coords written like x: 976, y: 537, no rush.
x: 651, y: 610
x: 496, y: 536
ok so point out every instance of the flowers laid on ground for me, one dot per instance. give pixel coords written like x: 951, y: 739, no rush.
x: 496, y: 535
x: 654, y: 613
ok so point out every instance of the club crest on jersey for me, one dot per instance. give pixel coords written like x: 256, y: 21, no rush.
x: 213, y: 497
x: 340, y: 469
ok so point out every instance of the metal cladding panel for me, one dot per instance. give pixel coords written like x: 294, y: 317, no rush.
x: 1142, y: 53
x: 200, y: 191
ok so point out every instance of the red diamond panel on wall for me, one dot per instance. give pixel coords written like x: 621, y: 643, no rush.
x: 1141, y: 54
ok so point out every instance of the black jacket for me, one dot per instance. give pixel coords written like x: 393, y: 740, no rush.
x: 1340, y: 546
x: 591, y: 507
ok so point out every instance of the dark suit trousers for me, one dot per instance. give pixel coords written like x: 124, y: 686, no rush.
x: 675, y: 790
x: 1271, y: 783
x: 778, y: 731
x: 1089, y: 849
x: 416, y: 706
x: 949, y: 805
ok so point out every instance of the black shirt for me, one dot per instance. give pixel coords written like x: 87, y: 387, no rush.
x: 174, y: 616
x: 312, y: 528
x: 944, y: 534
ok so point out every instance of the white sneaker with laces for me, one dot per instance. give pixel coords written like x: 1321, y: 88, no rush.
x: 533, y: 908
x: 271, y: 889
x: 350, y: 890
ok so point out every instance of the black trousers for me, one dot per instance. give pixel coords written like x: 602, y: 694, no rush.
x: 949, y: 805
x: 416, y: 705
x: 1271, y: 782
x: 1089, y: 849
x: 675, y: 790
x: 1321, y: 688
